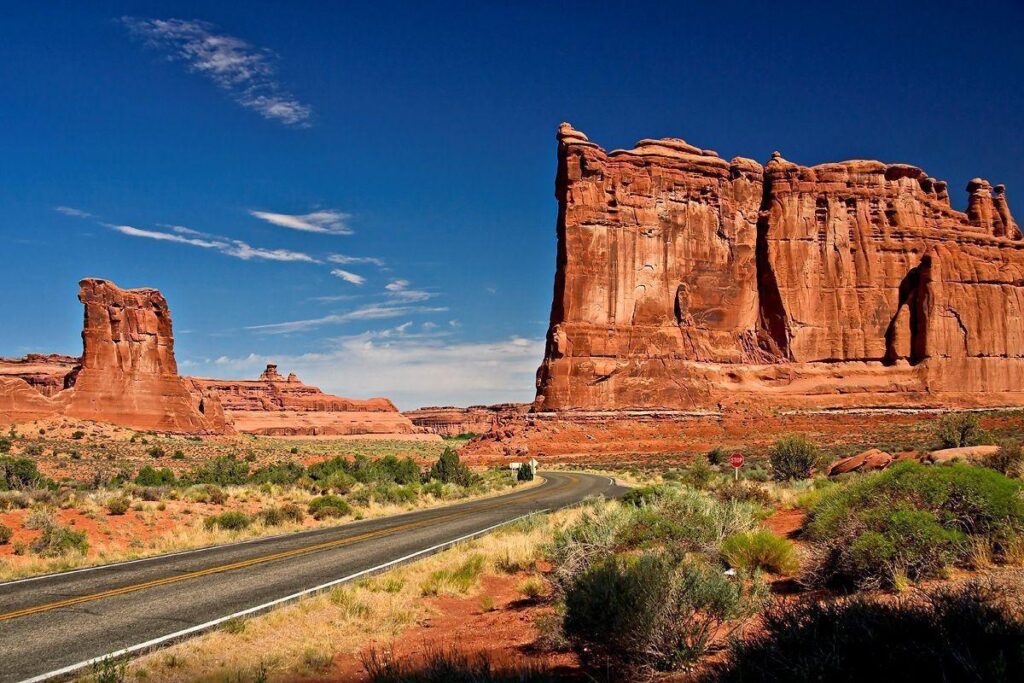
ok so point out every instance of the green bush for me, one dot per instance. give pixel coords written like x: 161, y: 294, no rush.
x: 393, y: 494
x: 283, y: 474
x: 20, y: 473
x: 956, y: 430
x: 156, y: 452
x: 699, y: 474
x: 911, y: 520
x: 232, y: 520
x: 119, y: 505
x: 225, y: 470
x: 323, y: 507
x: 33, y: 450
x: 794, y: 457
x: 971, y: 632
x: 717, y: 456
x: 78, y: 434
x: 650, y: 612
x: 5, y: 445
x: 178, y: 455
x: 150, y: 476
x: 6, y: 533
x: 524, y: 473
x: 646, y: 495
x: 275, y: 516
x: 450, y: 470
x: 1008, y: 460
x: 450, y: 666
x: 761, y: 549
x: 57, y: 540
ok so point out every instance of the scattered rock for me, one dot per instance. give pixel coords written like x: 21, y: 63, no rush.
x: 872, y: 459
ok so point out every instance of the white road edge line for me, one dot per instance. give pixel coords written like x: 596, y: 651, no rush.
x: 265, y: 606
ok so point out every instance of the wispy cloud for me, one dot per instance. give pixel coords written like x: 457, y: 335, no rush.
x: 327, y: 222
x: 411, y: 369
x: 72, y: 211
x: 348, y: 276
x: 246, y: 72
x: 227, y: 246
x: 369, y: 312
x: 399, y: 290
x: 343, y: 260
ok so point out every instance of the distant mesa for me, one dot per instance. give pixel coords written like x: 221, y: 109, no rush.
x: 686, y: 281
x: 128, y: 376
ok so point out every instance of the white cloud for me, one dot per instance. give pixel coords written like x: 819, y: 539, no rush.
x: 411, y: 370
x: 369, y: 312
x: 396, y: 285
x: 399, y: 290
x: 327, y: 222
x: 72, y: 211
x: 348, y: 276
x: 229, y: 247
x: 245, y: 72
x: 343, y: 260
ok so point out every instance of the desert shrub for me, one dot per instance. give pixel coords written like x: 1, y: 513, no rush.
x: 450, y: 470
x: 448, y: 666
x: 971, y: 632
x: 532, y: 588
x: 524, y: 473
x: 156, y: 452
x: 956, y: 430
x: 6, y: 533
x: 20, y: 473
x: 118, y: 505
x: 33, y: 450
x: 911, y: 520
x: 576, y: 547
x: 225, y: 470
x: 457, y: 580
x: 77, y: 435
x: 393, y: 494
x: 283, y: 474
x: 794, y: 457
x: 761, y: 549
x: 650, y: 612
x: 717, y: 456
x: 178, y: 455
x: 5, y: 445
x: 232, y: 520
x: 207, y: 493
x: 1008, y: 460
x: 150, y: 476
x: 699, y: 474
x: 646, y: 495
x: 275, y: 516
x: 339, y: 482
x: 323, y: 507
x: 57, y: 540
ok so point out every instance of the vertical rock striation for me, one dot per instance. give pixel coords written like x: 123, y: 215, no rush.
x: 685, y: 281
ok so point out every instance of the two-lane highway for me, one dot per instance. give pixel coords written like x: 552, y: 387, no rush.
x: 52, y: 625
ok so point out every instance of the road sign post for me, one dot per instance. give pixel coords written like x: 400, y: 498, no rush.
x: 737, y: 462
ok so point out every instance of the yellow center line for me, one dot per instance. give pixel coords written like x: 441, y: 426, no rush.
x: 70, y: 602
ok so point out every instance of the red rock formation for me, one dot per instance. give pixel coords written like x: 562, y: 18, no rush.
x: 685, y: 281
x: 127, y: 374
x: 452, y: 421
x: 273, y: 405
x: 47, y: 374
x: 871, y: 459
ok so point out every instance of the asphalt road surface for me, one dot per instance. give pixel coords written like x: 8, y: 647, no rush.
x: 54, y: 625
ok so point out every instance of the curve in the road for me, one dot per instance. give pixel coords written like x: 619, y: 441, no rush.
x: 53, y: 626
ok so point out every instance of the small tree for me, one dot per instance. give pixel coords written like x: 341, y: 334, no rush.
x: 794, y: 457
x: 957, y: 430
x: 525, y: 473
x: 450, y: 470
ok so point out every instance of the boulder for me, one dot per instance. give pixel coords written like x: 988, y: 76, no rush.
x: 963, y: 453
x: 872, y: 459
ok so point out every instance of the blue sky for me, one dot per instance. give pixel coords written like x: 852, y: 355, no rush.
x: 363, y: 194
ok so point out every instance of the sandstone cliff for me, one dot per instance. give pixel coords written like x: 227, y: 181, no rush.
x: 275, y: 405
x: 686, y: 281
x: 453, y: 421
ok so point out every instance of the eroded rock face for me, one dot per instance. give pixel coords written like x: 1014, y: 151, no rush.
x: 686, y: 281
x: 48, y: 374
x: 453, y: 421
x: 279, y: 406
x: 128, y: 372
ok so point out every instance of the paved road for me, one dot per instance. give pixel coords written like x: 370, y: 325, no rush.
x: 50, y: 624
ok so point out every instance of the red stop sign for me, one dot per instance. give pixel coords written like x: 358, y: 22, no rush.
x: 736, y: 460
